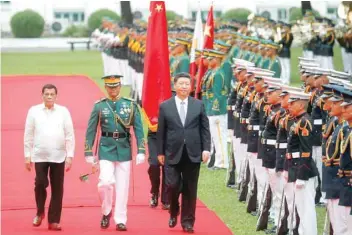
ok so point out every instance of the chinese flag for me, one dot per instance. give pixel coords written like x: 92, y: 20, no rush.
x: 208, y: 44
x: 156, y: 84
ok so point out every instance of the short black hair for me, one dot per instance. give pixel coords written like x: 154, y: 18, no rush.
x: 182, y: 75
x: 49, y: 86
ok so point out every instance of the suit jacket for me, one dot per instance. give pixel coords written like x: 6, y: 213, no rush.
x: 172, y: 135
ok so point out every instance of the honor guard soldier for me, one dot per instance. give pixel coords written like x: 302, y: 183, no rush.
x: 240, y: 150
x: 331, y: 161
x: 226, y: 62
x: 318, y: 116
x: 217, y: 91
x: 327, y: 41
x: 252, y: 136
x: 114, y: 116
x: 181, y: 60
x: 268, y: 140
x: 272, y: 62
x: 156, y: 179
x: 285, y: 52
x: 283, y: 122
x: 244, y: 120
x: 345, y: 170
x: 303, y: 170
x: 231, y: 104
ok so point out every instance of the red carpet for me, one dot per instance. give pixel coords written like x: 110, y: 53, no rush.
x: 81, y: 212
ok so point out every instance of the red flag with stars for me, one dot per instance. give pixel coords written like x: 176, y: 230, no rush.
x: 156, y: 84
x: 208, y: 44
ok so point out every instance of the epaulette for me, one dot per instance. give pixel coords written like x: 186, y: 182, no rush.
x: 277, y: 117
x: 330, y: 128
x: 304, y: 125
x: 252, y: 95
x: 267, y: 109
x: 102, y: 99
x: 312, y: 96
x: 245, y: 90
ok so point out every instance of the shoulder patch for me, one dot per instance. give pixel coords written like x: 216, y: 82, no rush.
x: 102, y: 99
x: 129, y: 99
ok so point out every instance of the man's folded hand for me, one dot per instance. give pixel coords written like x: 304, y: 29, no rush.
x: 140, y: 158
x: 161, y: 159
x: 205, y: 156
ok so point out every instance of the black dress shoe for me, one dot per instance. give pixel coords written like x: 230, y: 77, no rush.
x: 121, y: 227
x: 165, y: 206
x: 37, y: 221
x: 172, y: 221
x: 188, y: 229
x: 153, y: 201
x: 105, y: 221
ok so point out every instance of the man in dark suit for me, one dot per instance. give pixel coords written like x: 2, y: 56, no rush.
x: 183, y: 138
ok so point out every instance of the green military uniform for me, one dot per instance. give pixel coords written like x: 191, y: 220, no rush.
x: 180, y: 63
x: 217, y: 91
x: 226, y: 64
x: 114, y: 118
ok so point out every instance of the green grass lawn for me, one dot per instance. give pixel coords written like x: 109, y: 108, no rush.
x: 212, y: 190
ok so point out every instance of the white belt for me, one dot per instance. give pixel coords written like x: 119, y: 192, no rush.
x: 318, y: 122
x: 281, y: 145
x: 233, y: 107
x: 244, y: 120
x: 253, y: 127
x: 268, y: 142
x: 295, y: 155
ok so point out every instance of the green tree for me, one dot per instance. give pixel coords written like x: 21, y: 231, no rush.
x: 95, y: 19
x: 296, y: 14
x: 240, y: 14
x: 171, y: 15
x: 27, y: 24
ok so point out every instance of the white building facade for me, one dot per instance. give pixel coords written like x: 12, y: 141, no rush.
x: 69, y: 12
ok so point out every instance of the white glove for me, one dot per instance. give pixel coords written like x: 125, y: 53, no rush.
x: 91, y: 159
x: 140, y: 158
x: 285, y: 174
x: 300, y: 183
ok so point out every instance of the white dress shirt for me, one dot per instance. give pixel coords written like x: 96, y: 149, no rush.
x: 49, y: 134
x: 178, y: 105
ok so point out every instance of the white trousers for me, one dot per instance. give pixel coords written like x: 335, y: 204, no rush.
x: 262, y: 179
x: 124, y: 69
x: 349, y: 63
x: 139, y: 78
x: 289, y: 190
x: 317, y: 156
x: 105, y: 63
x: 326, y: 62
x: 340, y: 217
x: 118, y: 174
x: 345, y: 58
x: 132, y: 74
x: 252, y: 157
x: 276, y: 185
x: 285, y: 70
x: 218, y: 131
x: 308, y: 54
x: 305, y: 203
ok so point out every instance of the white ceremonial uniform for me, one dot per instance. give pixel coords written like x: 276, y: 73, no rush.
x: 305, y: 204
x: 118, y: 174
x: 218, y: 131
